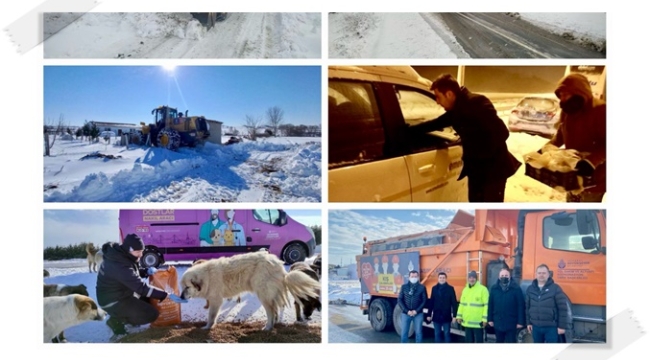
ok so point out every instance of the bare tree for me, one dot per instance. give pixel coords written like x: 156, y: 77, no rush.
x: 252, y: 125
x: 275, y: 115
x: 54, y: 128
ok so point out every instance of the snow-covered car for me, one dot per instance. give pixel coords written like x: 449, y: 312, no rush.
x: 371, y: 156
x: 535, y: 115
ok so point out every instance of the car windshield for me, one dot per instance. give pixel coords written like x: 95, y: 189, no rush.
x: 539, y: 104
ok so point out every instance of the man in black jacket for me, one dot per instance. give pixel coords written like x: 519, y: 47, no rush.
x: 121, y: 290
x: 548, y: 311
x: 487, y: 163
x: 441, y: 308
x: 506, y: 308
x: 412, y: 298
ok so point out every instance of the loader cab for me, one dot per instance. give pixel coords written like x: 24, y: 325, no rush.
x: 162, y: 113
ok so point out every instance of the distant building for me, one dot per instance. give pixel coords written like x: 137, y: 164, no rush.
x: 117, y: 128
x: 215, y: 131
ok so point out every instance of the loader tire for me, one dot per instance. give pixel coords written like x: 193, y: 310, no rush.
x: 169, y: 139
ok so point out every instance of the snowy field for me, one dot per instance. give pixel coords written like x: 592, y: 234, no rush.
x: 280, y: 169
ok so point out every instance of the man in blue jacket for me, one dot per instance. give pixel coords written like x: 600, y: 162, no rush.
x: 412, y: 298
x: 506, y: 308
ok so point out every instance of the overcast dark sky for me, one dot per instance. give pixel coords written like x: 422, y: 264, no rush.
x: 523, y: 79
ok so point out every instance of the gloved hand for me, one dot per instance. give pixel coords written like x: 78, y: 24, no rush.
x: 175, y: 298
x: 584, y: 168
x: 151, y: 271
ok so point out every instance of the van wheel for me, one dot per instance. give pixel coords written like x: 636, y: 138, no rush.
x: 381, y: 315
x: 150, y: 258
x: 294, y: 253
x: 397, y: 321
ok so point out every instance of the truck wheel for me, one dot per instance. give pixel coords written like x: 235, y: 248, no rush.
x: 397, y: 320
x: 381, y: 315
x: 169, y: 139
x: 150, y: 258
x: 294, y: 253
x: 523, y: 336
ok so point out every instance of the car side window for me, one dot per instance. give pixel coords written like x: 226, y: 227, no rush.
x: 417, y: 107
x: 356, y: 131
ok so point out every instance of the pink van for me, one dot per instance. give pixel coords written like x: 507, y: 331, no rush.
x: 177, y: 235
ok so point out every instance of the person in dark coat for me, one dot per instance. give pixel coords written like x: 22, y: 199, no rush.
x: 487, y: 163
x: 121, y: 290
x: 506, y: 308
x: 548, y: 311
x: 441, y: 308
x: 582, y: 127
x: 411, y: 299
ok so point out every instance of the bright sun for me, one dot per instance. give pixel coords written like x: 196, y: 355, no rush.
x: 169, y: 68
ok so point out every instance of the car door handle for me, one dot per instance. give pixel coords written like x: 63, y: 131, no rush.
x: 257, y: 230
x: 425, y: 168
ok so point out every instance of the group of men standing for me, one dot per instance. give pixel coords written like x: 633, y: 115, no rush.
x: 544, y: 309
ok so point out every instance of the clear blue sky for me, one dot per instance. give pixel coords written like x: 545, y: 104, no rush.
x: 348, y: 227
x: 127, y: 94
x: 69, y: 227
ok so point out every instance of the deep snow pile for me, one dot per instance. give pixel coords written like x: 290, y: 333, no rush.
x: 271, y: 170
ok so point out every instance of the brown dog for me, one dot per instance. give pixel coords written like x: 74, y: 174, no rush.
x: 207, y: 302
x: 309, y: 304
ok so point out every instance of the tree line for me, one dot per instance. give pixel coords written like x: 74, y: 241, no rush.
x: 78, y: 251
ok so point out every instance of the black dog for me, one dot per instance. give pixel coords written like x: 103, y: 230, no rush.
x: 309, y: 304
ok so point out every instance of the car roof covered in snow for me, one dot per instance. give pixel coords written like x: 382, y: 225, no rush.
x: 403, y: 75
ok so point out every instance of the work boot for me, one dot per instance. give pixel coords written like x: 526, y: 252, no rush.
x: 117, y: 326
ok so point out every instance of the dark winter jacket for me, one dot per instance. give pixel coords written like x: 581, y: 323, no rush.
x: 548, y: 306
x: 585, y: 130
x: 482, y: 133
x: 442, y: 303
x: 120, y: 277
x: 412, y: 297
x: 506, y: 308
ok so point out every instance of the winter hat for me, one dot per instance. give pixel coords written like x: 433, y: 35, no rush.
x: 472, y: 274
x: 132, y: 242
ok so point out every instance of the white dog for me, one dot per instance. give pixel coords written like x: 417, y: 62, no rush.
x: 62, y: 312
x: 258, y: 272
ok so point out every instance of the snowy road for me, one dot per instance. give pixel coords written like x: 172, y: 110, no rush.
x: 178, y: 35
x: 497, y: 35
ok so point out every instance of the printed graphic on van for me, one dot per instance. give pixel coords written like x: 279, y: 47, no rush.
x: 188, y: 235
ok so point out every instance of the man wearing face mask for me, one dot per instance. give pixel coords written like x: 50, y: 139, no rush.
x: 506, y: 308
x: 473, y: 309
x: 121, y: 289
x: 412, y: 298
x: 582, y: 127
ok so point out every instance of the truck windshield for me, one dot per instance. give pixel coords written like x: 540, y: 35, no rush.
x: 561, y: 233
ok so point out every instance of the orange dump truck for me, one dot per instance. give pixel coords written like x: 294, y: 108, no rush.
x: 571, y: 242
